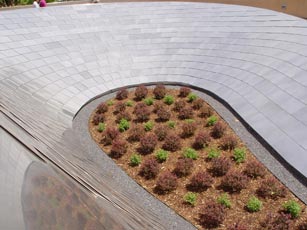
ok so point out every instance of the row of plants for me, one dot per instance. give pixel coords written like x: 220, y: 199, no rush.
x: 171, y: 140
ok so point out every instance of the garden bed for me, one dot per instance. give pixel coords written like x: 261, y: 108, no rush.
x: 180, y: 150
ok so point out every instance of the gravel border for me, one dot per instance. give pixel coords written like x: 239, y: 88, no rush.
x: 262, y: 150
x: 169, y: 219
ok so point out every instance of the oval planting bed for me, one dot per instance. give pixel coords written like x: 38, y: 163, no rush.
x: 180, y: 150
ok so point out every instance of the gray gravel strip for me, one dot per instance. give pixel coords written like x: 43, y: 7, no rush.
x: 80, y: 124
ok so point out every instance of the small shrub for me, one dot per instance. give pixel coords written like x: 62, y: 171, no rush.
x: 224, y: 200
x: 184, y: 91
x: 172, y: 143
x: 122, y: 94
x: 140, y: 92
x: 148, y: 101
x: 148, y: 143
x: 168, y: 99
x: 254, y: 204
x: 190, y: 153
x: 163, y: 114
x: 119, y: 148
x: 185, y: 113
x: 139, y: 106
x: 110, y: 102
x: 213, y: 153
x: 161, y: 132
x: 200, y: 181
x: 220, y: 166
x: 211, y: 120
x: 97, y: 118
x: 102, y: 108
x: 123, y: 125
x: 303, y: 226
x: 189, y: 120
x: 171, y: 124
x: 229, y: 142
x: 271, y: 188
x: 188, y: 129
x: 238, y: 226
x: 239, y: 155
x: 149, y: 168
x: 119, y: 107
x: 218, y: 130
x: 178, y: 105
x: 159, y: 91
x: 212, y: 214
x: 129, y: 103
x: 192, y: 97
x: 135, y: 160
x: 198, y: 103
x: 293, y: 208
x: 161, y: 155
x: 101, y: 127
x: 166, y: 182
x: 136, y: 132
x: 190, y: 198
x: 141, y: 112
x: 123, y: 115
x: 279, y: 221
x: 205, y: 111
x: 254, y: 169
x: 148, y: 126
x: 201, y: 140
x: 109, y: 135
x: 158, y: 105
x: 183, y: 166
x: 234, y: 182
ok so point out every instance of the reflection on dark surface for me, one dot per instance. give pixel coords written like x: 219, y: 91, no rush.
x: 35, y: 195
x: 38, y: 134
x: 54, y: 201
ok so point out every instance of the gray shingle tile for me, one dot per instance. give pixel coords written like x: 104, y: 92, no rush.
x: 301, y: 115
x: 253, y: 59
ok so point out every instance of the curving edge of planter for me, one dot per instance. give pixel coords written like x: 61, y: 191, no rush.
x: 288, y: 175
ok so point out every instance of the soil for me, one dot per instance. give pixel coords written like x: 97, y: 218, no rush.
x: 174, y: 199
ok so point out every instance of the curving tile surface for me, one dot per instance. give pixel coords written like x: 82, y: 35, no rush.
x: 54, y: 60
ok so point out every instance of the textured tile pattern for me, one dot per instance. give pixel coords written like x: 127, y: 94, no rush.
x: 254, y: 59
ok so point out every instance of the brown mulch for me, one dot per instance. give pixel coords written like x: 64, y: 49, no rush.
x: 174, y: 199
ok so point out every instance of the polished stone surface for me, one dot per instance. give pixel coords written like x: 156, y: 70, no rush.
x: 54, y: 60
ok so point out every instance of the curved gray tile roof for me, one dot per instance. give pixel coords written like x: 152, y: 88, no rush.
x: 54, y: 60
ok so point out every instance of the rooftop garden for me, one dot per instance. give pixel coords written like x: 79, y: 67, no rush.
x: 175, y: 145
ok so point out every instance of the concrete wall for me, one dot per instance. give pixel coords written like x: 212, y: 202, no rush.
x: 294, y: 7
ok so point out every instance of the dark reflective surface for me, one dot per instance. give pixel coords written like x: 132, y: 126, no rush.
x: 53, y: 201
x: 36, y: 196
